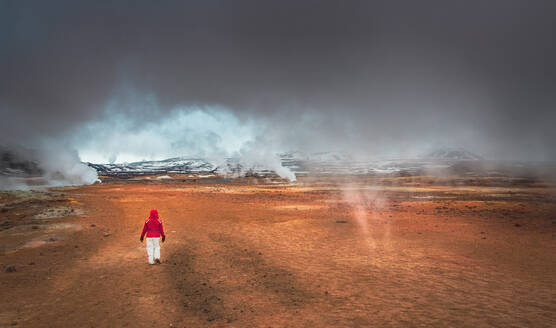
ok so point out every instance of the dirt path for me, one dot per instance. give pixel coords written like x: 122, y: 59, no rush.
x: 272, y: 256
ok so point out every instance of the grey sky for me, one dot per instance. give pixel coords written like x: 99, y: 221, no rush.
x: 365, y: 76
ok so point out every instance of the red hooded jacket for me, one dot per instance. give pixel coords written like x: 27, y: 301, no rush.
x: 153, y: 226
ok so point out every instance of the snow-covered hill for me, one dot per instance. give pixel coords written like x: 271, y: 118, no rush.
x: 323, y: 163
x: 171, y: 165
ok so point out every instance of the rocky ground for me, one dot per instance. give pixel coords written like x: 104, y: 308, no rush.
x: 324, y: 252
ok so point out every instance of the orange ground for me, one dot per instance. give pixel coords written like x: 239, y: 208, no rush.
x: 311, y: 254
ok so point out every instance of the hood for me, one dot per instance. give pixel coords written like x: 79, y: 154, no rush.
x: 154, y: 214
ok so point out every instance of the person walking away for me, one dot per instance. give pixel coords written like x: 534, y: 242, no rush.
x: 154, y: 230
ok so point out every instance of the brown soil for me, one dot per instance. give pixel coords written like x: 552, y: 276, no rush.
x: 311, y: 254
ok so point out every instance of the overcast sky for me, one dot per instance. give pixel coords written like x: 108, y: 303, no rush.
x: 201, y: 77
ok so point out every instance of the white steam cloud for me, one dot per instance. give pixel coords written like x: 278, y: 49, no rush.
x: 63, y: 167
x: 210, y: 132
x: 261, y: 153
x: 53, y: 164
x: 366, y: 203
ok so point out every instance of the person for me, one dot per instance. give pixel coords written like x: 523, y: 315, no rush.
x: 154, y: 230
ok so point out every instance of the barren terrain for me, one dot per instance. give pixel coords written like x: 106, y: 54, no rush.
x: 322, y: 252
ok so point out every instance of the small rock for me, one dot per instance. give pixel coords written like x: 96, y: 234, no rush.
x: 517, y: 225
x: 51, y: 239
x: 11, y: 268
x: 341, y: 221
x: 93, y: 225
x: 325, y: 292
x: 106, y: 235
x: 75, y: 246
x: 34, y: 227
x: 31, y: 263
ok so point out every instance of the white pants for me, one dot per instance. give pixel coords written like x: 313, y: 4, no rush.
x: 153, y: 249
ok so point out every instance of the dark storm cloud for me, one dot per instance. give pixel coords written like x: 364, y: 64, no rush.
x: 375, y: 74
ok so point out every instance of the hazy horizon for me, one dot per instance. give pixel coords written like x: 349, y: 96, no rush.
x: 144, y: 80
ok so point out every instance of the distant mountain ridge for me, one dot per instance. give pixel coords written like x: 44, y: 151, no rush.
x: 18, y: 161
x: 321, y: 163
x: 452, y: 154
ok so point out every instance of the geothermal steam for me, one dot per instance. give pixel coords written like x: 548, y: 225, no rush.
x: 63, y: 167
x: 50, y: 165
x: 364, y: 203
x: 212, y: 133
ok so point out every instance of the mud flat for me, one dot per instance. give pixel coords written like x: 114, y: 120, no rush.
x: 322, y: 252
